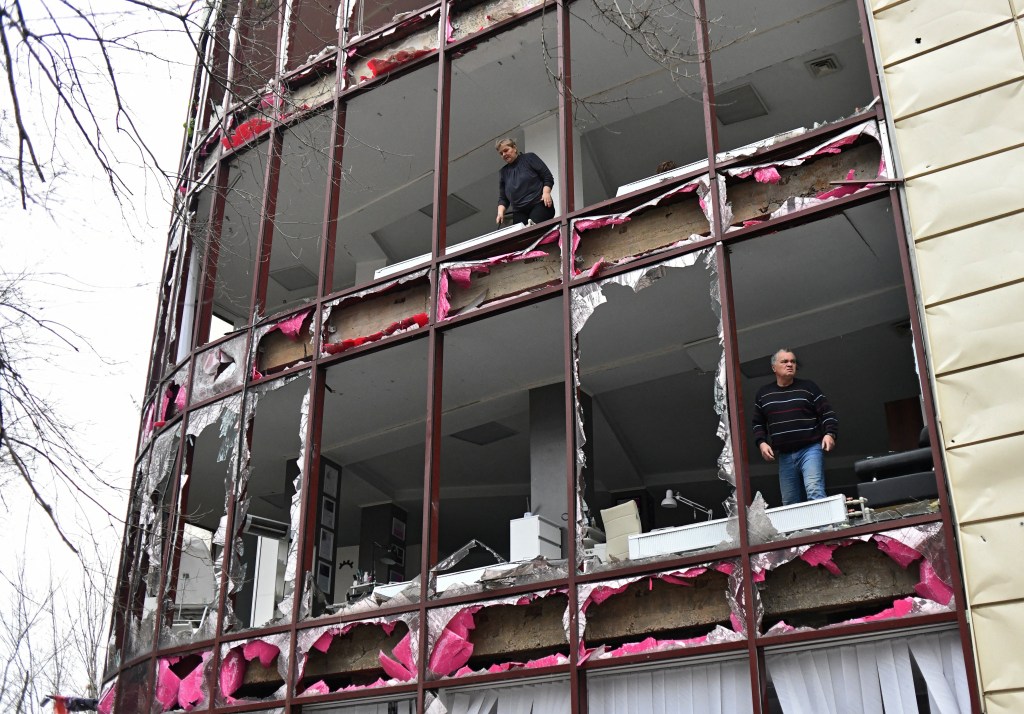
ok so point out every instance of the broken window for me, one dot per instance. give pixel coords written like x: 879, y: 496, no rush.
x: 191, y: 602
x: 314, y: 27
x: 198, y: 240
x: 238, y: 243
x: 153, y: 494
x: 503, y: 470
x: 216, y: 59
x: 784, y: 66
x: 832, y: 292
x: 298, y: 214
x: 256, y: 46
x: 722, y: 686
x: 365, y: 16
x: 253, y: 671
x: 266, y: 535
x: 387, y: 184
x: 636, y: 98
x: 369, y: 505
x: 651, y: 420
x: 500, y: 88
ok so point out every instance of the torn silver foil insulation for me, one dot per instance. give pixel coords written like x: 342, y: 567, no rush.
x: 584, y: 301
x: 904, y: 545
x: 501, y: 575
x: 225, y: 416
x: 595, y: 593
x: 285, y: 605
x: 398, y: 666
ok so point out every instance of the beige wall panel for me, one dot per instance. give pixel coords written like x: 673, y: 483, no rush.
x: 998, y: 632
x: 951, y: 72
x: 977, y: 329
x: 1008, y: 703
x: 984, y: 479
x: 982, y: 403
x: 991, y: 553
x: 879, y: 5
x: 979, y: 125
x: 972, y: 259
x: 966, y: 194
x: 921, y: 25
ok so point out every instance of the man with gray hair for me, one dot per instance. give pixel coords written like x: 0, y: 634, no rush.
x: 794, y: 424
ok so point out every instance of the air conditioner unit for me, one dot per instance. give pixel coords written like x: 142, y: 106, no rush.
x: 265, y: 527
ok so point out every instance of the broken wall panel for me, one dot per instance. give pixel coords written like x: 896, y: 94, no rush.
x: 668, y: 221
x: 467, y: 285
x: 412, y: 39
x: 133, y: 689
x: 767, y: 190
x: 219, y: 369
x: 182, y: 682
x: 173, y: 396
x: 468, y: 17
x: 254, y: 670
x: 255, y: 47
x: 519, y: 632
x: 284, y: 343
x: 365, y: 16
x: 312, y: 88
x: 358, y: 655
x: 889, y: 575
x: 651, y: 393
x: 372, y: 315
x: 676, y: 609
x: 268, y: 480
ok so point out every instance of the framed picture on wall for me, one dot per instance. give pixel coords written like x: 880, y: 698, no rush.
x: 326, y: 546
x: 398, y: 530
x: 323, y: 576
x: 331, y: 481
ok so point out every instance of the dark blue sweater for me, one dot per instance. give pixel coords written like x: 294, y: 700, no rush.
x: 522, y: 182
x: 791, y: 418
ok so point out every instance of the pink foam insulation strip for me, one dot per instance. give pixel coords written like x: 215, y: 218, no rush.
x: 549, y: 661
x: 232, y: 672
x: 932, y: 587
x: 190, y: 691
x: 462, y: 274
x: 291, y: 326
x: 821, y: 555
x: 181, y: 398
x: 453, y: 648
x: 258, y: 649
x: 106, y: 704
x: 246, y: 132
x: 900, y: 552
x: 167, y: 683
x: 413, y: 322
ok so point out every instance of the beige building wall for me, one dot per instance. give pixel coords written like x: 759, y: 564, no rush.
x: 953, y: 71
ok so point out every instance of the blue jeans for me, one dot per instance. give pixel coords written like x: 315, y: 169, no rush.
x: 802, y: 472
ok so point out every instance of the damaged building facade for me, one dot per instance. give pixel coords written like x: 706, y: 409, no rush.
x: 397, y: 459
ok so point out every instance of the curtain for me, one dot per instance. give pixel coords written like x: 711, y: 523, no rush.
x: 404, y: 707
x: 717, y: 688
x: 543, y: 698
x: 873, y: 678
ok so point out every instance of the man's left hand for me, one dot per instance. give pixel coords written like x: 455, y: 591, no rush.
x: 828, y: 443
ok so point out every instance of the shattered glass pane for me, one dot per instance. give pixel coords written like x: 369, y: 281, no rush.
x: 652, y: 426
x: 369, y: 505
x: 266, y: 487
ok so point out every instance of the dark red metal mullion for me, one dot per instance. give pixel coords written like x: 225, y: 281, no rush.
x: 332, y: 200
x: 265, y: 236
x: 924, y: 364
x: 566, y: 164
x: 663, y: 655
x: 208, y: 283
x: 659, y: 566
x: 431, y: 493
x: 739, y: 449
x: 444, y: 99
x: 707, y: 82
x: 851, y: 532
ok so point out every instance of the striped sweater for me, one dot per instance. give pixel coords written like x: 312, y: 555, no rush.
x: 791, y: 418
